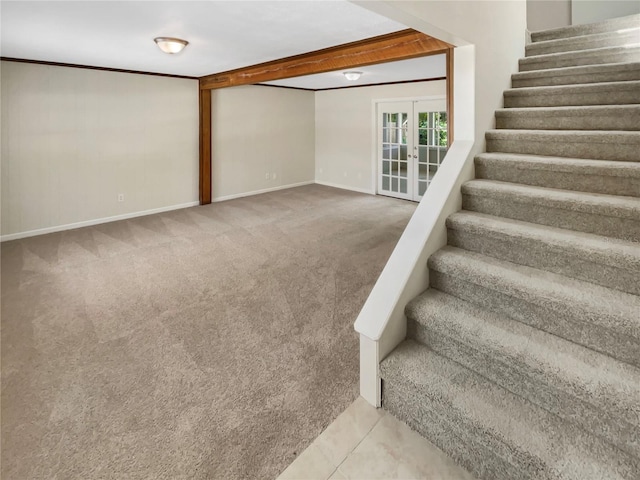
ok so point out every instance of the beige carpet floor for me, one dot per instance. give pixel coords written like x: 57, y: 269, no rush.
x: 211, y: 342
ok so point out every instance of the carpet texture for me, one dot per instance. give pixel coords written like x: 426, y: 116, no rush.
x: 210, y: 342
x: 523, y: 357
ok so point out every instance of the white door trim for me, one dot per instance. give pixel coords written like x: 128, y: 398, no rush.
x: 374, y: 129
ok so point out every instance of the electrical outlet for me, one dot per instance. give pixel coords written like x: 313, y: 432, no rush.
x: 320, y: 170
x: 274, y: 176
x: 121, y: 197
x: 266, y: 176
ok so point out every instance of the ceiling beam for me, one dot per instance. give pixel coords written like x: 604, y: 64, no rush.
x: 401, y: 45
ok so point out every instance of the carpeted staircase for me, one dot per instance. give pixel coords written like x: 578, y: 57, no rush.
x: 523, y: 358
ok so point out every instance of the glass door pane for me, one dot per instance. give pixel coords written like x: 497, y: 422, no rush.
x: 431, y: 142
x: 394, y: 143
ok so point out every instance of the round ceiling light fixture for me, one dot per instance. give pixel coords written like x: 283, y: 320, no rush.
x: 170, y: 45
x: 352, y: 76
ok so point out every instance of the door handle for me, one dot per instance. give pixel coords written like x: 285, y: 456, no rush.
x: 415, y: 156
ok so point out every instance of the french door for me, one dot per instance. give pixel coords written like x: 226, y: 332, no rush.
x: 412, y: 143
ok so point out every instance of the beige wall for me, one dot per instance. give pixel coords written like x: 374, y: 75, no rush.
x: 588, y: 11
x: 496, y: 31
x: 546, y: 14
x: 259, y: 130
x: 345, y: 132
x: 74, y: 139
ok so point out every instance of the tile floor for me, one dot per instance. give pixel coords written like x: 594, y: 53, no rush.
x: 368, y: 443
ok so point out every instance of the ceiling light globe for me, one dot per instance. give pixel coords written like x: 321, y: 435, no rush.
x: 352, y: 76
x: 170, y: 45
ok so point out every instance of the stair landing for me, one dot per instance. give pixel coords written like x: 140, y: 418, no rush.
x: 365, y: 442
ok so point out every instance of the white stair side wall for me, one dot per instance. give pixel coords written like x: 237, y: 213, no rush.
x: 381, y: 323
x: 489, y: 58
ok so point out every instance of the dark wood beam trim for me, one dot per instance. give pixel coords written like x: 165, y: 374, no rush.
x: 205, y: 147
x: 401, y: 82
x: 285, y: 86
x: 449, y: 89
x: 395, y: 46
x: 90, y: 67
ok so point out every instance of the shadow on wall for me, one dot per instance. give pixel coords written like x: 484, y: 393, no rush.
x: 545, y: 14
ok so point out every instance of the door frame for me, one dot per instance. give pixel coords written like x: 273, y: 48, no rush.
x: 374, y: 129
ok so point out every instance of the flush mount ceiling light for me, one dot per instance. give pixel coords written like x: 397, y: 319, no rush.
x: 352, y: 75
x: 170, y: 45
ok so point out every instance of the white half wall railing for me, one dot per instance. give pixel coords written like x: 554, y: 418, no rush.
x: 381, y: 323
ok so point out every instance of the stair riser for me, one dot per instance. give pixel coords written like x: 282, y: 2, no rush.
x: 464, y: 443
x: 503, y: 406
x: 608, y: 26
x: 574, y: 45
x: 588, y: 121
x: 608, y: 185
x: 548, y: 392
x: 535, y: 146
x: 529, y: 211
x: 531, y: 63
x: 542, y: 256
x: 555, y: 80
x: 555, y: 318
x: 604, y: 97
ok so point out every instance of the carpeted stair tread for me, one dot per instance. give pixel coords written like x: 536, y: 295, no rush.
x: 611, y: 205
x: 610, y: 215
x: 617, y: 145
x: 589, y: 117
x: 577, y: 136
x: 523, y: 356
x: 605, y: 250
x: 505, y: 437
x: 605, y: 261
x: 583, y: 74
x: 602, y: 93
x: 610, y: 25
x: 574, y: 382
x: 597, y: 176
x: 601, y: 318
x: 584, y: 42
x: 616, y: 309
x: 561, y: 164
x: 627, y: 53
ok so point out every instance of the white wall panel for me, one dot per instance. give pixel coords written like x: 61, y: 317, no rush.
x: 74, y: 139
x: 259, y: 130
x: 345, y: 131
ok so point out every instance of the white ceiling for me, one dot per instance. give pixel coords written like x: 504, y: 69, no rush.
x: 414, y: 69
x: 223, y: 35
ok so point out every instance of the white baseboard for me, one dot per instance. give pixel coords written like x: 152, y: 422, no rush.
x: 97, y: 221
x: 258, y: 192
x: 346, y: 187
